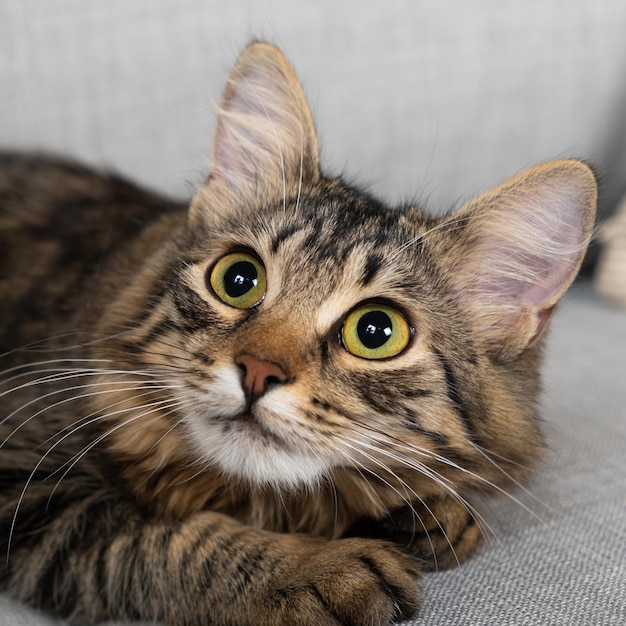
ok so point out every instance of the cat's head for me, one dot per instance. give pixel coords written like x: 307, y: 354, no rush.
x: 312, y: 331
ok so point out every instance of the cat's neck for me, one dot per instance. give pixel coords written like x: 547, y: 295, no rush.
x: 328, y: 509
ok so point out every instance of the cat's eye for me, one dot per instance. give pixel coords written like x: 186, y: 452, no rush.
x: 238, y: 279
x: 375, y: 331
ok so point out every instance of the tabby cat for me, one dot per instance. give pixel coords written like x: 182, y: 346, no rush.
x: 273, y: 406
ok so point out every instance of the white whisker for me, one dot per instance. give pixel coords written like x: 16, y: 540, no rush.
x: 513, y: 480
x: 453, y: 222
x: 73, y: 460
x: 72, y: 398
x: 358, y: 448
x: 152, y: 406
x: 58, y: 375
x: 440, y: 480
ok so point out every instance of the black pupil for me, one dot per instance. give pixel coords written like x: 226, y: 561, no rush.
x: 239, y: 278
x: 374, y: 329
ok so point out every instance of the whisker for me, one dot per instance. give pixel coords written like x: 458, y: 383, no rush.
x: 72, y: 462
x: 80, y: 456
x: 456, y: 222
x: 74, y: 398
x: 151, y: 406
x: 32, y: 346
x: 104, y: 412
x: 409, y: 503
x: 401, y: 482
x: 443, y: 482
x: 519, y: 485
x: 58, y: 375
x: 444, y: 460
x: 27, y: 367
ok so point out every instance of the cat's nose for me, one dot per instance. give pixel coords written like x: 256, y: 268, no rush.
x: 258, y: 375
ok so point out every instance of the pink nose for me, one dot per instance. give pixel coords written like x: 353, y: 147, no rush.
x: 258, y: 375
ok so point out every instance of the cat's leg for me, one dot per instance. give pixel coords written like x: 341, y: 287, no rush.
x: 99, y: 559
x: 441, y: 531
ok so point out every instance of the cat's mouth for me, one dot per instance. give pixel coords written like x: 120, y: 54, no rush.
x: 258, y: 444
x: 249, y: 422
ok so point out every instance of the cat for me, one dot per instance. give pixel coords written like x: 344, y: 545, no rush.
x: 272, y: 406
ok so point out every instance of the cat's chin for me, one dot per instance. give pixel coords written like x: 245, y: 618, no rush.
x: 247, y: 451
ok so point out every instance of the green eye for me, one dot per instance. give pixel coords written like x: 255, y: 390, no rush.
x: 238, y: 279
x: 375, y: 331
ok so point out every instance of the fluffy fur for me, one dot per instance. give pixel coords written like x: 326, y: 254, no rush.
x: 141, y: 479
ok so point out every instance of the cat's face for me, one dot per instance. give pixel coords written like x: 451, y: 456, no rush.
x: 309, y: 330
x: 345, y: 313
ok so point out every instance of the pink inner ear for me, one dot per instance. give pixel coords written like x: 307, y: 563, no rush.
x: 264, y: 138
x: 523, y: 245
x: 541, y: 296
x: 530, y: 249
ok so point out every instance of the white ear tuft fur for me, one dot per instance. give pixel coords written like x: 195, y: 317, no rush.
x: 265, y: 142
x: 522, y: 247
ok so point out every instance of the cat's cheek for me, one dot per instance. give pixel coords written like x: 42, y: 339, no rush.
x: 220, y: 395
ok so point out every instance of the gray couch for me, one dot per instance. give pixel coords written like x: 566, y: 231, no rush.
x: 431, y: 99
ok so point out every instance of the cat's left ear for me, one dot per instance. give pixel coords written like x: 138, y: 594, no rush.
x: 265, y: 144
x: 517, y: 250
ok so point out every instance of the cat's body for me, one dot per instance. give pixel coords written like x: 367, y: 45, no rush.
x: 203, y: 420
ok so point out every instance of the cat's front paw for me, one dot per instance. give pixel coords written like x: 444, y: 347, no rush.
x: 350, y: 581
x: 441, y: 531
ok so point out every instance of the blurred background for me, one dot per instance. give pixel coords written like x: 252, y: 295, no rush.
x: 425, y: 100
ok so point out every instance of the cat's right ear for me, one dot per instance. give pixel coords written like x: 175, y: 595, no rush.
x: 265, y: 144
x: 518, y: 248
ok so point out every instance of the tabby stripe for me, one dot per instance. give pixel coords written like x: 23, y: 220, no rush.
x: 102, y: 569
x: 314, y: 416
x: 313, y: 240
x: 454, y: 395
x: 54, y: 586
x: 152, y: 298
x: 285, y: 233
x: 229, y: 565
x: 57, y: 586
x: 123, y: 568
x: 458, y: 457
x: 203, y: 358
x: 208, y: 538
x: 324, y: 351
x: 385, y: 586
x: 330, y: 408
x: 417, y: 393
x: 195, y: 311
x: 372, y: 265
x: 442, y: 530
x: 213, y: 540
x: 438, y: 439
x: 249, y: 567
x: 458, y: 536
x: 340, y: 619
x: 160, y: 328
